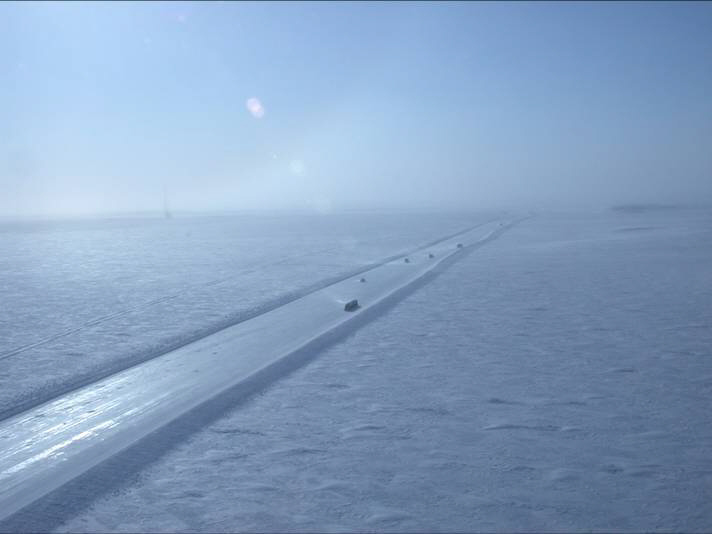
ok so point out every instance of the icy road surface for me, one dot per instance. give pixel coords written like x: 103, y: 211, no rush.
x: 558, y: 379
x: 82, y: 299
x: 45, y: 447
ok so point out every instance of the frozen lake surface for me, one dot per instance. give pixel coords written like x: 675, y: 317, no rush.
x: 558, y: 378
x: 82, y: 298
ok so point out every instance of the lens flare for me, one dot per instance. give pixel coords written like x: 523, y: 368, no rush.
x: 254, y: 106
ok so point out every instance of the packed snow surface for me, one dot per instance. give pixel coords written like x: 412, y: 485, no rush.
x: 55, y: 442
x: 80, y: 299
x: 558, y: 378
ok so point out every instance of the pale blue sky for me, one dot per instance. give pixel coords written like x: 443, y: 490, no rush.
x: 366, y: 104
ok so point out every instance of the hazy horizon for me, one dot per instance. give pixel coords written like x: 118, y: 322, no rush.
x: 340, y: 106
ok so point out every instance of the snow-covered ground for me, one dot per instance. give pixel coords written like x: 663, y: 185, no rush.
x: 83, y: 298
x: 558, y: 378
x: 51, y: 444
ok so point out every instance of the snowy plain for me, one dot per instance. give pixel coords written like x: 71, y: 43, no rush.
x: 558, y: 378
x: 85, y: 298
x: 63, y: 439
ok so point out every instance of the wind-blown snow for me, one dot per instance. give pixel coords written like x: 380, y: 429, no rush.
x: 557, y: 379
